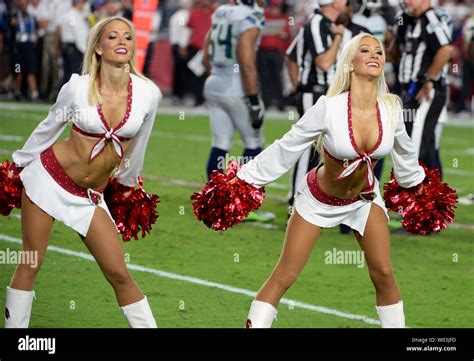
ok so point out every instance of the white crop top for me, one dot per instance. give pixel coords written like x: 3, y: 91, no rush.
x: 72, y: 106
x: 330, y: 118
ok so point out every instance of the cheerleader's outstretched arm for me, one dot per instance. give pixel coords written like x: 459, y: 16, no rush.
x: 406, y: 169
x: 50, y: 129
x: 279, y: 157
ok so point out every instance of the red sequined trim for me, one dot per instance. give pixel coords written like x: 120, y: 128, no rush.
x: 127, y: 112
x: 331, y: 156
x: 341, y: 161
x: 110, y: 135
x: 351, y: 132
x: 52, y: 166
x: 325, y: 198
x: 96, y: 135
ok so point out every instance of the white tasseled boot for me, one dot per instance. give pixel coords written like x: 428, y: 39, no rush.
x: 261, y: 315
x: 139, y: 315
x: 18, y: 308
x: 391, y: 316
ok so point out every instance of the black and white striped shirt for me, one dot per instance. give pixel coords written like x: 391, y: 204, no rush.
x: 314, y: 39
x: 419, y: 39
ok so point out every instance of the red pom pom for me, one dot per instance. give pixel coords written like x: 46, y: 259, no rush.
x: 10, y: 187
x: 222, y: 204
x: 133, y: 213
x: 396, y: 197
x: 430, y: 211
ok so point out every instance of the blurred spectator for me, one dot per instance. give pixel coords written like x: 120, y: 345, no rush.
x: 47, y: 15
x: 153, y: 37
x: 467, y: 54
x: 199, y: 23
x: 4, y: 60
x: 275, y: 40
x: 370, y: 16
x: 346, y: 18
x: 74, y: 33
x: 34, y: 9
x: 389, y: 10
x: 25, y: 27
x: 126, y: 9
x: 179, y: 39
x: 111, y: 8
x: 97, y: 13
x: 302, y: 11
x: 8, y: 47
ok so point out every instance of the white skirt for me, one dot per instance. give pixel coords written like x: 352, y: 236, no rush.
x: 324, y: 215
x: 59, y: 196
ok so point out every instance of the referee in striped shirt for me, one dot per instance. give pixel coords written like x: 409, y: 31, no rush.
x: 312, y: 58
x: 423, y: 36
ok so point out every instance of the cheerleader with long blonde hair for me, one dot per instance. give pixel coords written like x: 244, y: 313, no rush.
x: 357, y: 123
x: 112, y: 108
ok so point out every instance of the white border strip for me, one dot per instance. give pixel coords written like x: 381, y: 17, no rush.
x: 205, y: 283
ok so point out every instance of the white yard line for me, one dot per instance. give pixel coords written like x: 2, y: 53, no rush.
x: 205, y: 283
x: 11, y: 138
x: 456, y: 141
x: 458, y: 172
x: 466, y: 227
x: 468, y: 151
x: 198, y: 185
x: 24, y: 106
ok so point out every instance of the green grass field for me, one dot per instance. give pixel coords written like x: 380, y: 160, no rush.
x: 435, y: 274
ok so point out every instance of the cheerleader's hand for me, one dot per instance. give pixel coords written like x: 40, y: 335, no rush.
x: 225, y: 200
x: 421, y: 187
x: 13, y: 170
x: 425, y: 92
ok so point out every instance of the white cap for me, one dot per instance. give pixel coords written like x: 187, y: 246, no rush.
x: 312, y: 5
x: 325, y: 2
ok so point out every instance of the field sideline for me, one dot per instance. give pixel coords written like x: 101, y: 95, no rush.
x: 435, y: 274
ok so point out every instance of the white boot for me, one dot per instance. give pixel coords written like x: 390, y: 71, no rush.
x: 391, y: 316
x: 261, y: 315
x: 138, y: 314
x: 18, y: 308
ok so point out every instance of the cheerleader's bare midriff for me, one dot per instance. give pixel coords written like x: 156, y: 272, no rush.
x: 73, y: 153
x: 346, y: 188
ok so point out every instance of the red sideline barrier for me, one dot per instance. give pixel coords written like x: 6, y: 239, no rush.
x: 142, y: 21
x: 161, y: 67
x: 147, y: 5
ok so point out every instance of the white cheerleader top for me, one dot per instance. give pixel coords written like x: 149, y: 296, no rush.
x: 72, y: 106
x: 331, y: 118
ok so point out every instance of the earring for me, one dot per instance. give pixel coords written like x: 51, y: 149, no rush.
x: 352, y: 68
